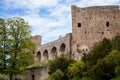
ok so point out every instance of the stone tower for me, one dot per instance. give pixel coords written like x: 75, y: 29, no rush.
x: 91, y: 24
x: 37, y: 40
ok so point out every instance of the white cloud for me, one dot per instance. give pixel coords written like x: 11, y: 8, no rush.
x: 54, y: 34
x: 48, y: 27
x: 85, y: 3
x: 57, y: 21
x: 30, y: 4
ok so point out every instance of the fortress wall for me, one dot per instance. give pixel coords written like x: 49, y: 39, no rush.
x: 34, y: 73
x: 54, y: 48
x: 91, y: 24
x: 37, y: 40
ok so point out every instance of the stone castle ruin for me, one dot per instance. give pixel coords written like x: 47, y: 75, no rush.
x: 89, y: 26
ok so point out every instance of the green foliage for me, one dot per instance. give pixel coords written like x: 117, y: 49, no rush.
x: 105, y: 68
x: 117, y: 70
x: 15, y: 46
x: 116, y: 60
x: 103, y: 71
x: 3, y: 44
x: 99, y: 51
x: 102, y: 60
x: 76, y: 70
x: 60, y: 63
x: 38, y: 64
x: 86, y: 78
x: 117, y: 73
x: 116, y: 78
x: 116, y: 43
x: 57, y: 75
x: 4, y: 77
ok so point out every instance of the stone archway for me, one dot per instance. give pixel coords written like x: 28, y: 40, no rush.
x: 53, y: 54
x: 38, y: 56
x: 62, y: 49
x: 45, y: 55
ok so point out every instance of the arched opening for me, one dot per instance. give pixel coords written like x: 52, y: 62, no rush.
x: 53, y: 53
x: 45, y: 55
x: 62, y: 49
x: 39, y: 56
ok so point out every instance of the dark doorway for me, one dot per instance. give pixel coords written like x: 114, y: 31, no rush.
x: 33, y: 77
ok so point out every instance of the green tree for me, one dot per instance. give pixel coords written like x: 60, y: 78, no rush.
x: 20, y: 46
x: 60, y: 63
x: 57, y: 75
x: 116, y: 43
x: 99, y: 51
x: 117, y: 73
x: 76, y: 70
x: 105, y: 68
x: 3, y: 44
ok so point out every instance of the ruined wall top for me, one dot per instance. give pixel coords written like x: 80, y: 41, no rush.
x: 97, y: 8
x: 37, y: 40
x: 55, y: 41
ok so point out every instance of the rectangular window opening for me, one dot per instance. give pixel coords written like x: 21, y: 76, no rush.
x: 79, y: 25
x: 107, y: 24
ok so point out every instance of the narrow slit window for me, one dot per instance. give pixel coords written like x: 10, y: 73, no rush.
x: 107, y: 24
x: 79, y: 25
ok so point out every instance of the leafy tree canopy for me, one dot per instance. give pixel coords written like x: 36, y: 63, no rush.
x: 15, y: 46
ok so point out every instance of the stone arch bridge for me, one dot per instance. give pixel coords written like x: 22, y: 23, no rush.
x: 57, y: 48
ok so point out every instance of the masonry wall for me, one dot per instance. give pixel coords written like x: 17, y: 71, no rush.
x: 37, y: 73
x: 37, y: 40
x: 34, y: 73
x: 91, y: 24
x: 57, y: 48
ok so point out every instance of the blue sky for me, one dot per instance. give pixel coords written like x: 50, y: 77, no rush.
x: 48, y: 18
